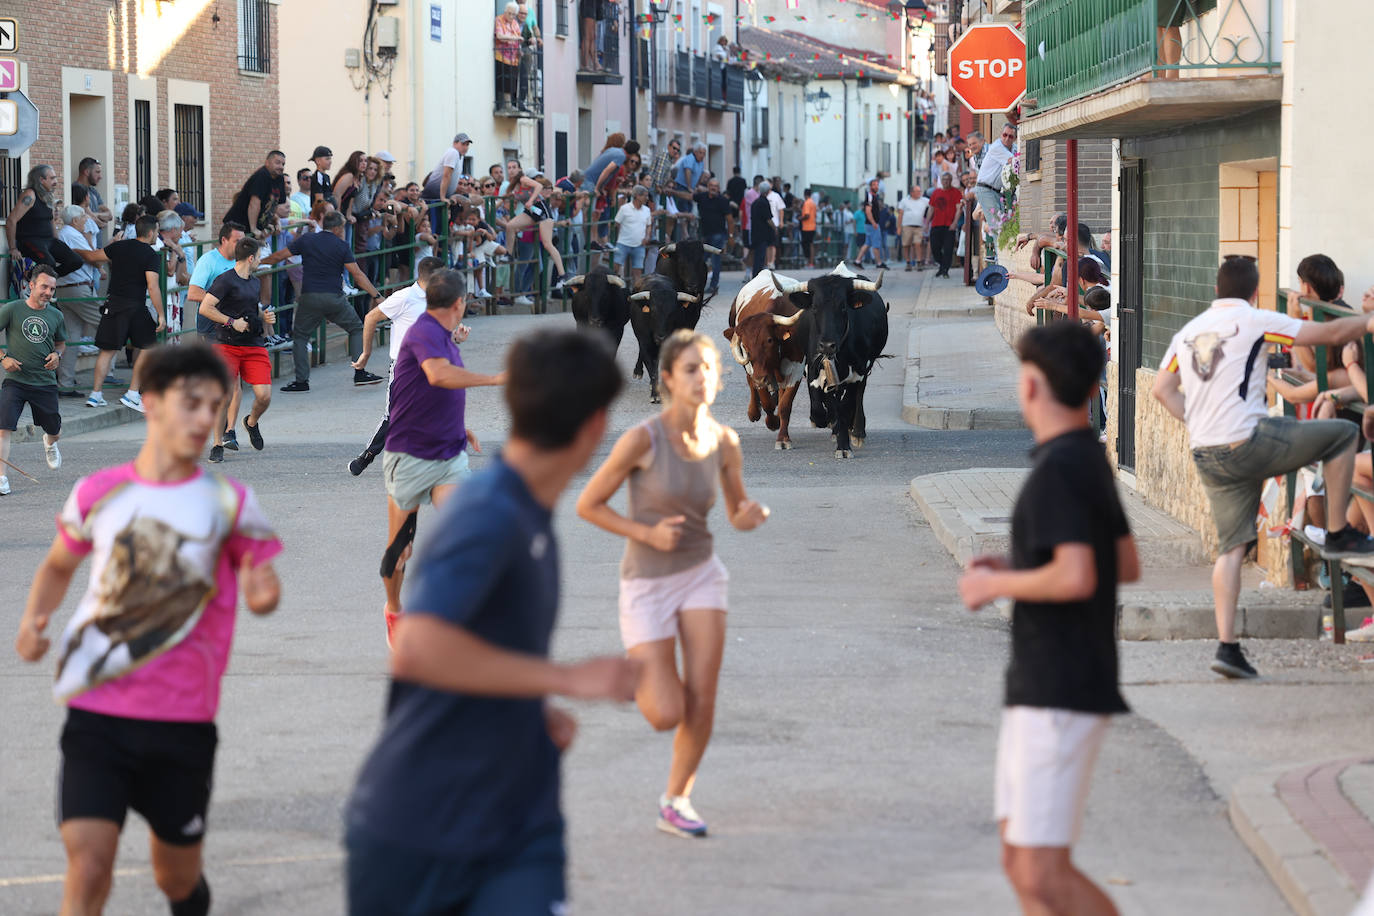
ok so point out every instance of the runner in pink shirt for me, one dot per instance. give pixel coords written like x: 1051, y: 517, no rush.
x: 140, y: 662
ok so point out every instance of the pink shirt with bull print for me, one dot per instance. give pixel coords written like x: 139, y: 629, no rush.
x: 150, y: 637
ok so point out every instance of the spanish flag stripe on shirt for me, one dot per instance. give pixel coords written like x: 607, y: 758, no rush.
x: 1271, y: 337
x: 1173, y: 364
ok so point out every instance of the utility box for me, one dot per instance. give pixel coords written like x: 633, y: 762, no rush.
x: 388, y: 33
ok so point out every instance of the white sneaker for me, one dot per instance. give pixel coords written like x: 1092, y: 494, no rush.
x: 4, y: 485
x: 1363, y: 634
x: 132, y: 400
x: 483, y: 294
x: 87, y: 351
x: 53, y: 456
x: 96, y: 400
x: 524, y: 300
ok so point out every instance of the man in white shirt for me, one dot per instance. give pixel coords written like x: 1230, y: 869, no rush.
x: 75, y: 298
x: 633, y: 219
x: 776, y: 206
x: 1213, y: 379
x: 911, y: 218
x: 988, y: 190
x: 401, y: 308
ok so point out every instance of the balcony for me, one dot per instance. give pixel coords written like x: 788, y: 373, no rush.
x: 693, y: 79
x: 599, y: 52
x: 520, y: 87
x: 1108, y: 68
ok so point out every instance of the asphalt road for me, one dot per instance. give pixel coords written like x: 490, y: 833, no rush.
x: 851, y: 768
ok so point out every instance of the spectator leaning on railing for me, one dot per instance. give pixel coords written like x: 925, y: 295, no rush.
x: 31, y: 223
x: 1237, y: 445
x: 255, y: 205
x: 633, y: 220
x: 76, y: 294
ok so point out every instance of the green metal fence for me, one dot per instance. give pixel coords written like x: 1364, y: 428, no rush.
x: 1077, y: 47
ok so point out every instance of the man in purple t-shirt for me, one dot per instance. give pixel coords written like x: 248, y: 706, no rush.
x: 427, y: 445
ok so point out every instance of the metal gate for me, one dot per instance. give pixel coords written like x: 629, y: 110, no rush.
x: 1129, y: 250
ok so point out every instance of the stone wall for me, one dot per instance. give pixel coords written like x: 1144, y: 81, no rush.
x: 1010, y: 304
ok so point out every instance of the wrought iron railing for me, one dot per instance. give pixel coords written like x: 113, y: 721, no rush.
x: 1077, y: 47
x: 520, y: 87
x: 698, y: 80
x: 605, y: 41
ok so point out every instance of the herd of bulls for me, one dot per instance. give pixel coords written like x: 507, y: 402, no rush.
x: 828, y: 331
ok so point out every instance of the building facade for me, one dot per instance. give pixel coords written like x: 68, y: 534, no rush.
x: 181, y: 95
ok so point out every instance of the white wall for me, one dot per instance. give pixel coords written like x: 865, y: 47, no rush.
x: 825, y: 138
x: 1323, y: 206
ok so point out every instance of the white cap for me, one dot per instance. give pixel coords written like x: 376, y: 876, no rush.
x: 386, y: 157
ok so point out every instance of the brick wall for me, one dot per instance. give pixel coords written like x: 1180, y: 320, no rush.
x: 1042, y: 199
x: 1180, y: 194
x: 124, y: 37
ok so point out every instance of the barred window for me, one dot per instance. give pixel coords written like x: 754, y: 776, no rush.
x: 143, y: 148
x: 189, y: 126
x: 255, y: 45
x: 1032, y: 156
x: 11, y: 183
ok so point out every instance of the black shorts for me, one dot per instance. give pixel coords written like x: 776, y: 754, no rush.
x: 42, y: 404
x: 125, y: 323
x: 539, y: 210
x: 162, y: 770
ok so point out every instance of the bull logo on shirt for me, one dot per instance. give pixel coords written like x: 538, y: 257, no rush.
x: 147, y: 592
x: 1208, y: 349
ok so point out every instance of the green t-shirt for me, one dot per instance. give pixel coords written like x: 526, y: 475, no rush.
x: 30, y: 335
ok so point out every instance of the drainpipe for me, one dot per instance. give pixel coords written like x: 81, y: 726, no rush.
x: 633, y: 34
x: 844, y: 92
x: 415, y: 62
x: 1071, y: 230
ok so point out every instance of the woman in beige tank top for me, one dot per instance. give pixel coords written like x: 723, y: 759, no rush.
x: 672, y: 585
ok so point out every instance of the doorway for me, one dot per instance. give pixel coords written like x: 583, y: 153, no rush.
x: 87, y: 128
x: 584, y: 137
x: 1130, y: 254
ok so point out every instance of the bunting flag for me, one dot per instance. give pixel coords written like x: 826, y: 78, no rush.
x: 792, y: 4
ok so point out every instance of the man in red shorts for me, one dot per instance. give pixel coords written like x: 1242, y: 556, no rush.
x: 232, y: 303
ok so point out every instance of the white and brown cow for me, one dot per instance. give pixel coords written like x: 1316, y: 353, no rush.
x: 764, y: 340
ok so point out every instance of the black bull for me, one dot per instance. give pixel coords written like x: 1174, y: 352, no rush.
x: 600, y: 300
x: 845, y: 328
x: 684, y: 263
x: 657, y: 310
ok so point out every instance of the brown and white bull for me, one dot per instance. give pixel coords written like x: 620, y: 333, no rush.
x: 764, y: 340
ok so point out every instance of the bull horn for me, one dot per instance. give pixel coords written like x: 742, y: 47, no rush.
x: 790, y: 287
x: 687, y: 298
x: 870, y: 286
x: 668, y: 249
x: 787, y: 322
x: 610, y: 278
x: 640, y: 297
x: 575, y: 281
x: 710, y: 249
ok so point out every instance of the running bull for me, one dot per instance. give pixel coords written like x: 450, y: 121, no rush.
x: 684, y: 263
x: 657, y: 310
x: 846, y: 330
x: 767, y: 341
x: 600, y: 300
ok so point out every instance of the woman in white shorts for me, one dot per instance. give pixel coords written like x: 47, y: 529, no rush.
x: 672, y: 585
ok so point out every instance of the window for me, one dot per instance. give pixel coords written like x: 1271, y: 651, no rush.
x: 143, y: 148
x: 189, y: 126
x: 885, y: 163
x: 560, y: 22
x: 781, y: 108
x: 11, y: 182
x: 1032, y: 156
x: 255, y: 44
x: 760, y: 133
x: 796, y: 120
x: 865, y: 154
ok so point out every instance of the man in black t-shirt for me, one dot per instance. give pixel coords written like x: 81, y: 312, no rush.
x: 712, y: 210
x: 735, y: 189
x: 232, y: 303
x: 124, y: 318
x: 255, y: 205
x: 1070, y: 546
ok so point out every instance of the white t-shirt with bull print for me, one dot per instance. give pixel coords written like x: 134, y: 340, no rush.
x: 1221, y: 358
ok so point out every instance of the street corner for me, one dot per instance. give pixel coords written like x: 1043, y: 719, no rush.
x: 959, y: 375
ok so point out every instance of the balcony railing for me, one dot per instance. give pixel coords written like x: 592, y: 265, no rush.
x: 520, y: 87
x: 1091, y: 45
x: 602, y: 65
x: 694, y: 79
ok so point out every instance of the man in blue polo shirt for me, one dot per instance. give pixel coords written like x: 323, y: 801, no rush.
x: 208, y: 267
x: 686, y: 173
x: 456, y: 809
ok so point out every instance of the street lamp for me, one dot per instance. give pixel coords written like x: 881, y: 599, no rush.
x: 754, y: 83
x: 820, y: 99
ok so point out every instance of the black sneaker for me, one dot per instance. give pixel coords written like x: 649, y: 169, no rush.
x: 69, y: 393
x: 254, y: 433
x: 359, y: 464
x: 216, y: 454
x: 1230, y: 661
x: 296, y: 386
x: 1352, y: 596
x: 363, y: 377
x: 1350, y: 545
x: 231, y: 440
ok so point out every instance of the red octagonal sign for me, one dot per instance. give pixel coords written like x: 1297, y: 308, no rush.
x: 987, y: 68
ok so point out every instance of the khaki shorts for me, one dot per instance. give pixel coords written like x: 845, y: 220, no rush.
x: 910, y: 235
x: 1234, y: 477
x: 411, y: 480
x: 1045, y: 763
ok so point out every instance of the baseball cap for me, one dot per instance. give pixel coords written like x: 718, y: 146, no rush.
x: 321, y: 151
x: 386, y: 157
x: 462, y: 138
x: 185, y: 209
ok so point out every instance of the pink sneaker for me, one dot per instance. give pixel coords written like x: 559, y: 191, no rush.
x: 391, y: 619
x: 678, y: 817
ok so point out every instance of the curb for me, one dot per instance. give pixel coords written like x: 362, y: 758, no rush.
x: 1298, y: 865
x: 926, y: 417
x: 96, y: 419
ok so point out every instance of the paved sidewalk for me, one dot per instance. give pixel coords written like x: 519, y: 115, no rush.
x: 970, y: 512
x: 960, y: 373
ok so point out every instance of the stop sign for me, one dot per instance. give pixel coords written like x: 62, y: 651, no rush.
x: 987, y: 68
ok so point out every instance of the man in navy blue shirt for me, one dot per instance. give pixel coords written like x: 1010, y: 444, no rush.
x: 324, y: 258
x: 456, y: 809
